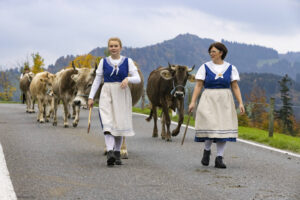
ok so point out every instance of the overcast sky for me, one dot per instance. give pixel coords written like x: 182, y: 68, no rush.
x: 57, y: 28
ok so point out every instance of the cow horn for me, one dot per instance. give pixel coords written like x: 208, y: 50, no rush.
x: 171, y: 67
x: 191, y: 69
x: 73, y: 65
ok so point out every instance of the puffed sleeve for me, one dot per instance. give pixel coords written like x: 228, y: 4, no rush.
x: 97, y: 80
x: 235, y: 74
x: 133, y: 72
x: 200, y: 75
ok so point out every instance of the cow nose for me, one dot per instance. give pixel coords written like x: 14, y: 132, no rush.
x: 179, y: 94
x: 77, y: 103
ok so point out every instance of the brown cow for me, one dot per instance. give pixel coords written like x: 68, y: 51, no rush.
x: 40, y: 88
x: 64, y: 89
x: 166, y: 89
x: 24, y: 86
x: 84, y: 80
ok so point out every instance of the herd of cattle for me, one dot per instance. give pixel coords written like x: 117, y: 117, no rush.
x: 165, y: 89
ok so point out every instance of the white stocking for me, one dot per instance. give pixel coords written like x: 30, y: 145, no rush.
x: 109, y: 141
x: 220, y: 148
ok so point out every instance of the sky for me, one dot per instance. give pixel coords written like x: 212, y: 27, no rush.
x: 56, y: 28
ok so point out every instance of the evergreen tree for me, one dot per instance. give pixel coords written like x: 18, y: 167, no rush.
x: 285, y: 114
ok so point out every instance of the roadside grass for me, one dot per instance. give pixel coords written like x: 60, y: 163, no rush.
x: 13, y: 102
x: 279, y: 140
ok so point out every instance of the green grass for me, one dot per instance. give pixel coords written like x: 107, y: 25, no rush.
x: 16, y: 102
x: 279, y: 140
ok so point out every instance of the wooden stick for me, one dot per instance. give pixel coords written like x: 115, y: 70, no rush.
x: 186, y: 127
x: 89, y: 122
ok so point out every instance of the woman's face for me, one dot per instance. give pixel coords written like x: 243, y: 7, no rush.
x: 215, y: 54
x: 114, y: 48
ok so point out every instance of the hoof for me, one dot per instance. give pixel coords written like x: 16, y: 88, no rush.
x: 154, y: 135
x: 175, y: 133
x: 168, y: 140
x: 75, y: 125
x: 47, y: 120
x: 73, y: 117
x: 42, y: 121
x: 124, y: 155
x: 66, y: 126
x: 54, y: 123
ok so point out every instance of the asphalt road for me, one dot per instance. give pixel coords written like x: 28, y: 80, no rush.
x: 47, y: 162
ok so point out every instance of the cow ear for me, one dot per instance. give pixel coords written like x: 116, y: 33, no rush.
x: 166, y: 75
x: 191, y: 78
x: 74, y: 77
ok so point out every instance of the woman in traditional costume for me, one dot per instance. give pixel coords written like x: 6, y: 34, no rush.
x: 216, y: 117
x: 115, y: 104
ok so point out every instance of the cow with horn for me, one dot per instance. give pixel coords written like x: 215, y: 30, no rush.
x: 166, y: 89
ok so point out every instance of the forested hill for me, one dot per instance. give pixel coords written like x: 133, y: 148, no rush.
x: 190, y: 49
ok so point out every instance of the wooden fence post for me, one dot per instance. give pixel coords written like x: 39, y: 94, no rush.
x: 271, y: 117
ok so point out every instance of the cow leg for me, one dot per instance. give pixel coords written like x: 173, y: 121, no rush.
x: 66, y: 112
x: 180, y: 107
x: 74, y: 111
x: 124, y: 152
x: 76, y: 120
x: 54, y: 106
x: 163, y: 129
x: 155, y: 131
x: 167, y: 120
x: 33, y: 102
x: 41, y: 111
x: 27, y: 102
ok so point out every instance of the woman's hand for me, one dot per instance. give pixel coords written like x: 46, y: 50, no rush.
x: 90, y: 103
x: 191, y: 107
x: 124, y: 83
x: 242, y: 109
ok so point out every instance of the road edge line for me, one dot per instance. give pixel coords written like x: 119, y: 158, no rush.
x: 6, y: 189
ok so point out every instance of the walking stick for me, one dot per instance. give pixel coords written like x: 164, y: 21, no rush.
x: 186, y: 127
x: 89, y: 122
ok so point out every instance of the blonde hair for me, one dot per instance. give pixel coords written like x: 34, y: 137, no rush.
x: 115, y: 39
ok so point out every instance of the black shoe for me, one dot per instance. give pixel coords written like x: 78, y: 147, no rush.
x: 111, y: 158
x: 205, y: 159
x: 219, y: 162
x: 118, y: 158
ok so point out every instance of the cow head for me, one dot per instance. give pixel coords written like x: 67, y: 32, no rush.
x: 179, y: 74
x: 83, y: 83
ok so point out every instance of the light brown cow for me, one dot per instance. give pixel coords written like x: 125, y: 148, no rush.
x: 40, y: 88
x: 24, y: 86
x: 84, y: 80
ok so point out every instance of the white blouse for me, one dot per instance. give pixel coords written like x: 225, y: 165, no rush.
x: 217, y: 69
x: 132, y: 71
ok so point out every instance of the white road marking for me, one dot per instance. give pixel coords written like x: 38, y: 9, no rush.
x: 6, y: 188
x: 241, y: 140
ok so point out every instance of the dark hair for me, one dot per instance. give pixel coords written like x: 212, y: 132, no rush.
x: 220, y: 47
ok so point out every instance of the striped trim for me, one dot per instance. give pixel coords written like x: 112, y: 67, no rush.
x: 216, y: 131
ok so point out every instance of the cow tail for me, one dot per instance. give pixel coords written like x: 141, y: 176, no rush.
x: 148, y: 119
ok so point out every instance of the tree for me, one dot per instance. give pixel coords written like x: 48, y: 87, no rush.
x: 8, y: 89
x: 38, y: 63
x: 85, y: 61
x: 285, y: 114
x: 256, y: 107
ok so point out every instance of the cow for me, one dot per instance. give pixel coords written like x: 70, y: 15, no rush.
x: 84, y: 80
x: 24, y: 86
x: 64, y: 90
x: 40, y: 88
x: 166, y: 89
